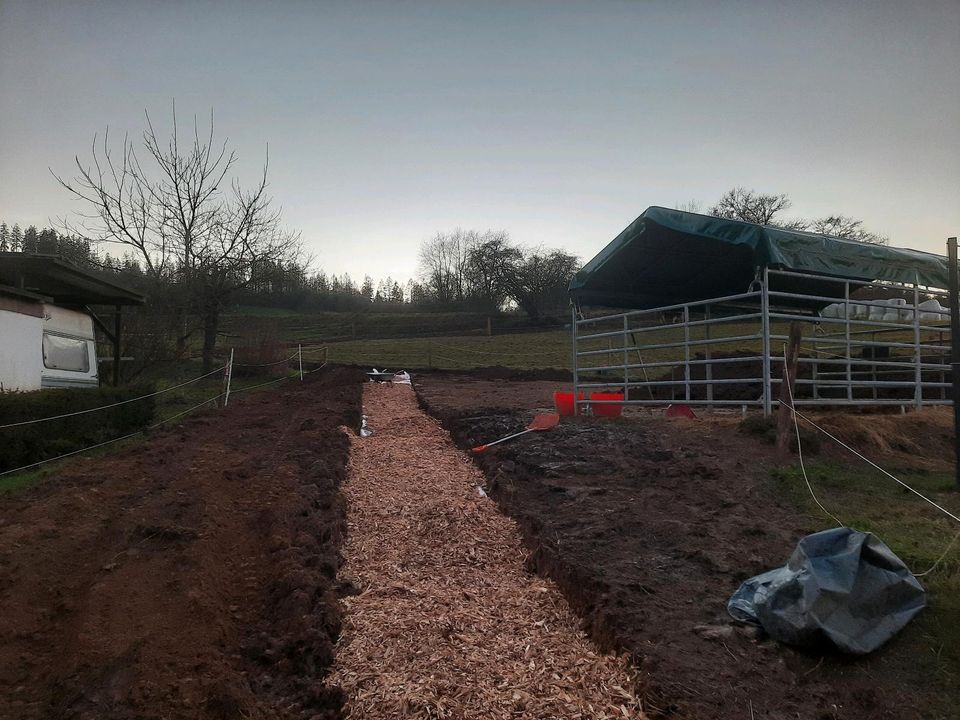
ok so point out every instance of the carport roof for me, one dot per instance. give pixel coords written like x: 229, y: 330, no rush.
x: 62, y: 281
x: 667, y: 257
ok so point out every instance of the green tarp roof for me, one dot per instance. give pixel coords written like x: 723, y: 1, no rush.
x: 667, y: 257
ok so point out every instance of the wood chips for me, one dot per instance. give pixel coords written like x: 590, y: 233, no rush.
x: 447, y: 624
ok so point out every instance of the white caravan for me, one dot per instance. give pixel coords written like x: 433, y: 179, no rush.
x: 45, y: 346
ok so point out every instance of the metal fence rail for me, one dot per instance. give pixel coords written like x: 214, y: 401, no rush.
x: 856, y: 349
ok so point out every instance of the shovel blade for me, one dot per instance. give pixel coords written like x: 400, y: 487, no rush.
x: 544, y: 422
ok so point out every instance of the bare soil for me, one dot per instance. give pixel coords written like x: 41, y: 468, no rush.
x: 192, y: 575
x: 648, y: 525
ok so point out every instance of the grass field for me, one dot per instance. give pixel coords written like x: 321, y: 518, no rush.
x: 322, y: 327
x: 866, y: 500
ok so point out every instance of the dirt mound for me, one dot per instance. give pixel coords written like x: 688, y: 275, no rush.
x: 190, y: 576
x: 916, y: 438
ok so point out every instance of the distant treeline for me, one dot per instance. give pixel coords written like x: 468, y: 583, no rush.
x: 460, y: 270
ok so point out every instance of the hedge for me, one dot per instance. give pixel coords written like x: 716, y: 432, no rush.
x: 28, y: 444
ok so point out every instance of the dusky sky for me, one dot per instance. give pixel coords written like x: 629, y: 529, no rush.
x: 557, y: 121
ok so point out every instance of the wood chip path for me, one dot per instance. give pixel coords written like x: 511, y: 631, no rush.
x: 447, y: 624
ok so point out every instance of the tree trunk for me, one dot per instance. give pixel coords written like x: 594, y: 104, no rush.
x: 180, y: 331
x: 211, y: 321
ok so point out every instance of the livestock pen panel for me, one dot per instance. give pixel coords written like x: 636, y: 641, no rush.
x: 862, y: 344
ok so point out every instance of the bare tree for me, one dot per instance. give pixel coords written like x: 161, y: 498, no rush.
x: 182, y: 215
x: 848, y: 228
x: 751, y: 206
x: 690, y: 206
x: 444, y: 262
x: 765, y: 209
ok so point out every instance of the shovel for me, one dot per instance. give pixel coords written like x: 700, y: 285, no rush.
x: 539, y: 424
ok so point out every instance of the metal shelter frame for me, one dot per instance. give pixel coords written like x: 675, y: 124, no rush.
x: 728, y: 351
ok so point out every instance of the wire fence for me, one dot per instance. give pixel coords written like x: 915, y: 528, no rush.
x: 222, y: 396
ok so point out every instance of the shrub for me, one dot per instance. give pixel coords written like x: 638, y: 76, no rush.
x: 27, y: 444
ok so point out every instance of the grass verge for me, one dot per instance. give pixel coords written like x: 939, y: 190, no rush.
x: 866, y: 500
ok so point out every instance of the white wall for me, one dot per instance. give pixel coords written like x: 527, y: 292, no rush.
x: 21, y: 354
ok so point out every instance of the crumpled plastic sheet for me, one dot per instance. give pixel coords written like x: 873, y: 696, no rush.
x: 841, y: 586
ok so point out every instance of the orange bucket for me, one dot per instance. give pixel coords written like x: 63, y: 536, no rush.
x: 563, y: 402
x: 607, y: 410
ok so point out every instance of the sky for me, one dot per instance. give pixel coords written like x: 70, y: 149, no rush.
x: 558, y: 122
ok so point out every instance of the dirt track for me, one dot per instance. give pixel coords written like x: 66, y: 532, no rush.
x: 191, y: 576
x: 445, y: 622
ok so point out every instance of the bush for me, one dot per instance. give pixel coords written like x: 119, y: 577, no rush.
x: 28, y: 444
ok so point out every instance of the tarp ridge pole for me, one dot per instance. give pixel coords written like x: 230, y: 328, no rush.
x: 955, y: 349
x: 765, y: 330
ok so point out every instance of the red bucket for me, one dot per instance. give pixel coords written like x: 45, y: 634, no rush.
x: 563, y: 402
x: 607, y: 410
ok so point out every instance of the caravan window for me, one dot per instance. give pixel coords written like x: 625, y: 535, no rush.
x: 63, y: 353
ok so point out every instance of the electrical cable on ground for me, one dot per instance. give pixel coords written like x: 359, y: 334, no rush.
x: 803, y: 468
x: 797, y: 413
x: 873, y: 464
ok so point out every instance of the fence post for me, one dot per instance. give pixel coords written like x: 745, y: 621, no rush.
x: 918, y: 356
x: 708, y: 356
x: 489, y: 328
x: 954, y: 301
x: 765, y: 325
x: 686, y: 353
x: 228, y: 376
x: 573, y: 340
x: 787, y: 392
x: 300, y: 358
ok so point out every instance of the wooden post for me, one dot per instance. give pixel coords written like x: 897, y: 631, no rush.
x: 955, y: 348
x: 227, y: 378
x: 489, y: 328
x: 117, y: 328
x: 788, y: 387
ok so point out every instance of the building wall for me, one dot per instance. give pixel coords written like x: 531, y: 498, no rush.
x: 21, y: 355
